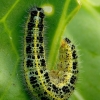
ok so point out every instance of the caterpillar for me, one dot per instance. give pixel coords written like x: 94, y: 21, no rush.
x: 43, y: 83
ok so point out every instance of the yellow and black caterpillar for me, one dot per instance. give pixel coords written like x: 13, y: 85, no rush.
x: 47, y: 84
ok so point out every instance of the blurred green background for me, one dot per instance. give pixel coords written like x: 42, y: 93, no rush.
x: 83, y: 29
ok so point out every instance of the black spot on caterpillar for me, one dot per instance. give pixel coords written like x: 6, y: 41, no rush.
x: 43, y: 83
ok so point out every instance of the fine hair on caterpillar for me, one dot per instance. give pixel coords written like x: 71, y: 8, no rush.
x: 43, y: 83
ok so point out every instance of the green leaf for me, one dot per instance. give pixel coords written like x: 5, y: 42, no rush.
x: 12, y: 17
x: 85, y: 29
x: 67, y: 11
